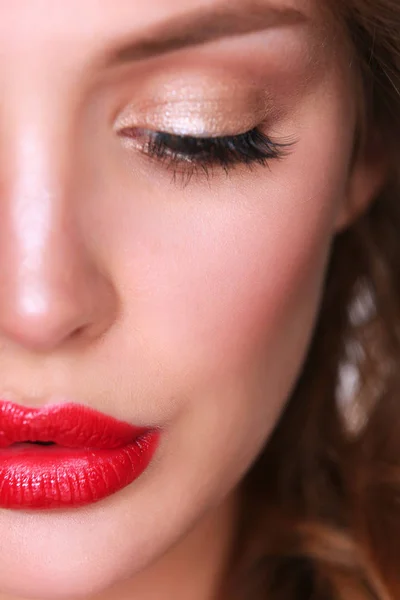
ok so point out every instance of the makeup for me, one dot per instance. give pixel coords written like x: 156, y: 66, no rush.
x: 197, y: 105
x: 67, y: 455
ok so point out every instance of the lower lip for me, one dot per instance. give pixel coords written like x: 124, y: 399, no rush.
x: 48, y: 477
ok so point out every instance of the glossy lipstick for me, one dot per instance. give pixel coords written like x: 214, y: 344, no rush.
x: 67, y: 455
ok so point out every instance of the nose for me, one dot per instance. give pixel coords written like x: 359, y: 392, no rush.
x: 52, y: 289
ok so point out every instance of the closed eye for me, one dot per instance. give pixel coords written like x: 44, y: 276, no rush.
x: 180, y: 152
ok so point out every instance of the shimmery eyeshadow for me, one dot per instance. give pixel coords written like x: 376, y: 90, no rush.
x: 199, y: 110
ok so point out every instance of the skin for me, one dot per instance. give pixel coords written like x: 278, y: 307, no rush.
x: 188, y: 305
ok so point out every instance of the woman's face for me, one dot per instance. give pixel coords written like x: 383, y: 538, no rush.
x: 145, y: 276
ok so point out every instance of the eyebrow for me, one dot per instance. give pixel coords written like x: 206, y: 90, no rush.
x: 208, y: 24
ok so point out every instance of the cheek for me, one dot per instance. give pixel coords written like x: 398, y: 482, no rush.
x: 214, y: 286
x: 230, y: 289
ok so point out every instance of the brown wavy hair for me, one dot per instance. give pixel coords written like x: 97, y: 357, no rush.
x: 321, y: 507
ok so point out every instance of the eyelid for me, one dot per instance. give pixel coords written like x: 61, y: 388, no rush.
x: 195, y: 104
x: 206, y: 118
x: 182, y: 118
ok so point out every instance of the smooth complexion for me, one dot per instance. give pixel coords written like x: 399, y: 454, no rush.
x: 156, y: 293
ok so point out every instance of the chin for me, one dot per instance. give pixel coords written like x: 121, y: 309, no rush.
x: 68, y: 555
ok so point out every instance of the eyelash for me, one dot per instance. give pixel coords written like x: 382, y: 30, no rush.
x: 188, y: 155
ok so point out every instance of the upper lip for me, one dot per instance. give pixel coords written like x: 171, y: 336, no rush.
x: 69, y: 425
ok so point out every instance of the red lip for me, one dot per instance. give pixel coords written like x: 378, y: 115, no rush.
x: 91, y: 455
